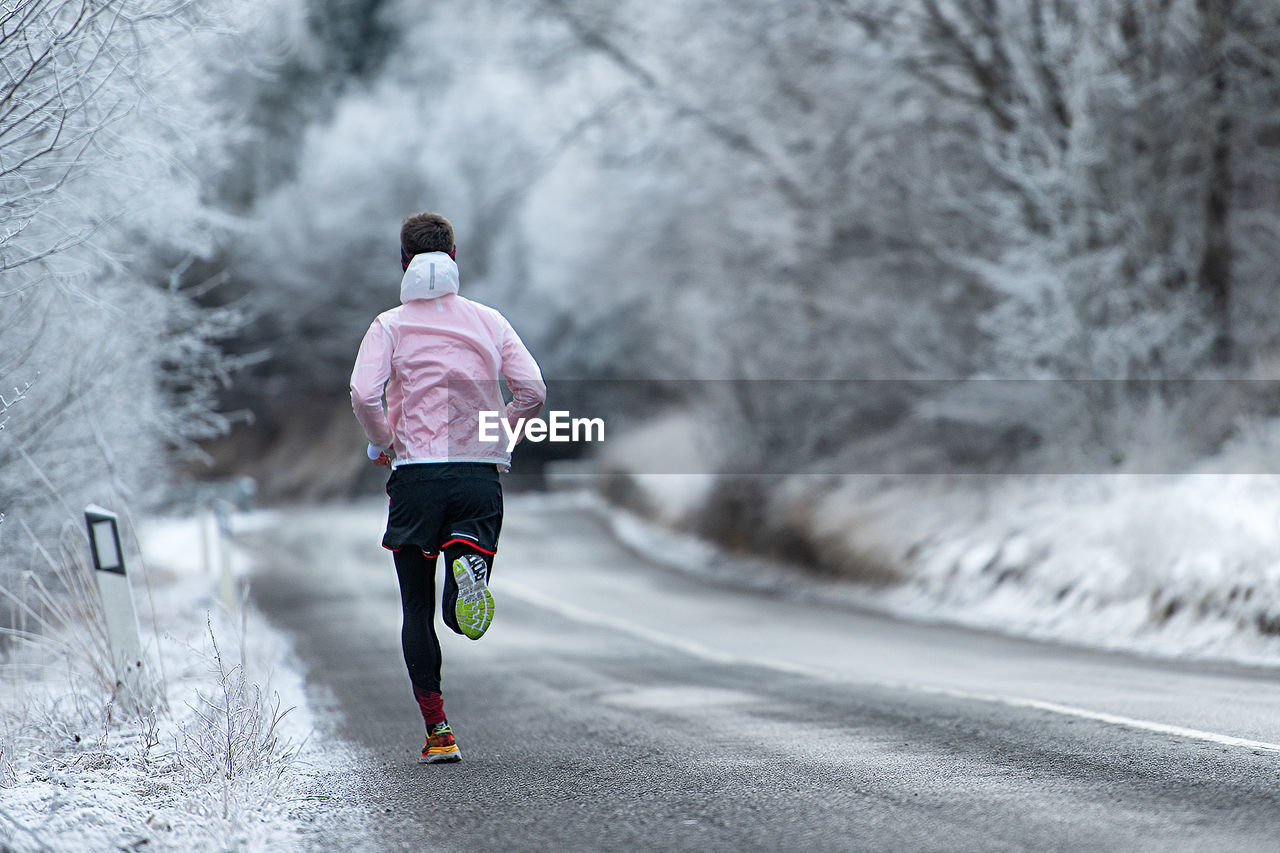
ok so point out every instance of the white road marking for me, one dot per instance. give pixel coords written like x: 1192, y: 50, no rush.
x: 696, y: 649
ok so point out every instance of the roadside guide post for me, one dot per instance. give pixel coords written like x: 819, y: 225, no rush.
x: 117, y: 596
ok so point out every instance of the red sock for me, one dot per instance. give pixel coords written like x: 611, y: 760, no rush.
x: 431, y: 705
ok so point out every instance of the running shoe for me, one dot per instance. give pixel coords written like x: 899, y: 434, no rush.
x: 440, y: 747
x: 474, y: 607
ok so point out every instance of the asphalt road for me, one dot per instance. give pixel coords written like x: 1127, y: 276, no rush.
x: 618, y: 705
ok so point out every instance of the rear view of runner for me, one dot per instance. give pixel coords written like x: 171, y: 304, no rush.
x: 438, y: 358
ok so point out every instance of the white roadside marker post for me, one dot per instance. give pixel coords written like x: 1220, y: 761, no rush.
x: 117, y: 596
x: 202, y: 518
x: 226, y: 581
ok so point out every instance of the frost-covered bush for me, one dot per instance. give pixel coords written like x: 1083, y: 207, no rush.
x: 233, y: 726
x: 199, y: 754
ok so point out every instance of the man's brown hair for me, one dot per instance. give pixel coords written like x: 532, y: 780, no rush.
x: 426, y: 232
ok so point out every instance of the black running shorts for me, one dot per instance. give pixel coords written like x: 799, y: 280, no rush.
x: 435, y: 504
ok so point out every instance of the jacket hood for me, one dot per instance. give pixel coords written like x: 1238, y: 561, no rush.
x: 429, y: 276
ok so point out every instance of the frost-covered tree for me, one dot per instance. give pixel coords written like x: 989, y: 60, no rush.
x: 1239, y: 60
x: 1087, y: 180
x: 105, y: 138
x: 802, y: 192
x: 1052, y: 143
x: 447, y: 128
x: 784, y: 261
x: 61, y: 73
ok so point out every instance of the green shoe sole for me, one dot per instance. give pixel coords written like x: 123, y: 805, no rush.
x: 474, y: 609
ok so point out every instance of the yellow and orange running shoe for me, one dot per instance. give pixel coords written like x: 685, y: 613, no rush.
x: 440, y: 747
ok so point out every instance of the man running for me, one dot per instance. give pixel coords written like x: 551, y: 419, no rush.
x: 437, y: 358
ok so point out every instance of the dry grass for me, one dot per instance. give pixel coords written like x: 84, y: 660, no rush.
x: 212, y: 761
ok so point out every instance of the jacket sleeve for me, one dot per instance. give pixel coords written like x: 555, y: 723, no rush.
x: 368, y: 379
x: 522, y: 375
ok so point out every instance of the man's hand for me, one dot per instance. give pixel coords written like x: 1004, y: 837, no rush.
x: 378, y: 456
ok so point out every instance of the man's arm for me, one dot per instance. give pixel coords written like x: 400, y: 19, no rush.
x: 368, y: 378
x: 523, y: 378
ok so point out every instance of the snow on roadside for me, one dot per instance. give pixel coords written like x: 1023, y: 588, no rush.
x: 1175, y: 566
x: 79, y: 773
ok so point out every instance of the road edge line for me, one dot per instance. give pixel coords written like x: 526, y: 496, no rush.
x: 696, y: 649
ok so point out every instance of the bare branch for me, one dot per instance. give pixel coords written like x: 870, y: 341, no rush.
x: 732, y: 136
x: 19, y: 394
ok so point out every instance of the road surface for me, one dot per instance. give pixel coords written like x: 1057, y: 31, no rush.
x: 619, y: 705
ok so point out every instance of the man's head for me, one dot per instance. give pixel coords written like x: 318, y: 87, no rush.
x: 425, y: 232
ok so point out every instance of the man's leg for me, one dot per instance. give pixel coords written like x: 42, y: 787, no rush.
x: 473, y: 522
x: 416, y: 572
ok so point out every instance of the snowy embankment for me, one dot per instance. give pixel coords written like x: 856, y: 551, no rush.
x: 1181, y: 565
x: 1185, y: 566
x: 208, y: 757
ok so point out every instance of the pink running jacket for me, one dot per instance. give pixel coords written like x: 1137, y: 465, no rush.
x: 438, y: 357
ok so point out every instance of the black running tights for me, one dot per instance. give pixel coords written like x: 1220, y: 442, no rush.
x: 417, y: 574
